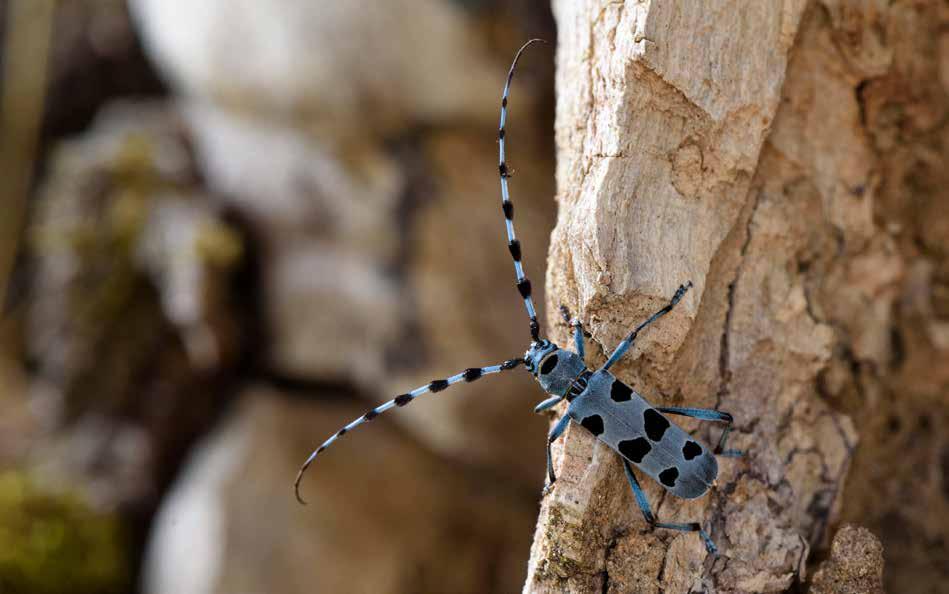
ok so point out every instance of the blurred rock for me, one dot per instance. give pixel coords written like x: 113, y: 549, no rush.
x: 344, y: 67
x: 855, y: 565
x: 327, y: 235
x: 465, y: 310
x: 384, y: 515
x: 377, y: 267
x: 366, y: 164
x: 359, y: 147
x: 183, y: 246
x: 131, y: 321
x: 95, y: 57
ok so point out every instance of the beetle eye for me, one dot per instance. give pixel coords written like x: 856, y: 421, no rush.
x: 549, y: 364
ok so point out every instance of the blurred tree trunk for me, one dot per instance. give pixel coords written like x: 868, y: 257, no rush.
x: 26, y: 46
x: 784, y: 156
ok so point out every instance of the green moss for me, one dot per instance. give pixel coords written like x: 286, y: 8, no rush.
x: 52, y: 544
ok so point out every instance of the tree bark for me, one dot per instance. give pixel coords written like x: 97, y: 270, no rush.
x: 740, y: 145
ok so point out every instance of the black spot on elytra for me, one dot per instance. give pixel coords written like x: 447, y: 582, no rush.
x: 508, y: 208
x: 549, y: 364
x: 524, y: 287
x: 504, y: 102
x: 341, y: 432
x: 502, y: 167
x: 320, y: 449
x: 472, y: 373
x: 403, y: 399
x: 438, y: 385
x: 668, y: 476
x: 515, y: 248
x: 691, y: 450
x: 620, y: 392
x: 501, y: 133
x: 370, y: 415
x: 656, y: 424
x: 593, y: 424
x: 635, y: 449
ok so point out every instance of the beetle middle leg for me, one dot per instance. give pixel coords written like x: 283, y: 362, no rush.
x: 555, y: 434
x: 631, y: 338
x: 708, y: 414
x: 651, y: 519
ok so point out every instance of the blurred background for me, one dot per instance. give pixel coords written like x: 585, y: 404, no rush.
x: 230, y: 227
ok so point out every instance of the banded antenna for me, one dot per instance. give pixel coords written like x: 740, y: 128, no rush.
x: 513, y: 245
x: 469, y: 375
x: 523, y: 285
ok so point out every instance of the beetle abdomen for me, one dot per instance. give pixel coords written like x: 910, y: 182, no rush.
x: 622, y: 419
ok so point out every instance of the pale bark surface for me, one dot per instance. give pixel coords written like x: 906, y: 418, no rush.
x: 742, y: 145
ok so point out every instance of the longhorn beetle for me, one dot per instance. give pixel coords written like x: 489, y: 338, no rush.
x: 609, y: 409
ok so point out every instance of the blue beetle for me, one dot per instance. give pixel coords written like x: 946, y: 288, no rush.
x: 609, y: 409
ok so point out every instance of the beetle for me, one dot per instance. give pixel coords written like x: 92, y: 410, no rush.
x: 612, y: 411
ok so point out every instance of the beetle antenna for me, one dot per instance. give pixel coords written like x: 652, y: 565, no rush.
x: 469, y: 375
x: 513, y: 245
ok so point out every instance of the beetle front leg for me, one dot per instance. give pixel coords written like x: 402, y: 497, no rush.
x: 578, y: 332
x: 554, y: 435
x: 548, y: 404
x: 627, y: 342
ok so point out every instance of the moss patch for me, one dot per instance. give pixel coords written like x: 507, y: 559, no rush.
x: 53, y: 544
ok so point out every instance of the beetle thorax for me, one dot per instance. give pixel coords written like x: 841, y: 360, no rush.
x: 554, y: 368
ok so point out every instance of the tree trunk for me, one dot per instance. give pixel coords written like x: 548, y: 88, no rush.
x: 768, y: 152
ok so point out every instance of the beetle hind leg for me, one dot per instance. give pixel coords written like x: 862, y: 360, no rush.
x: 651, y: 519
x: 720, y: 448
x: 709, y: 414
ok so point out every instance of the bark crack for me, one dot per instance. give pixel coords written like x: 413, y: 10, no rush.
x: 724, y: 356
